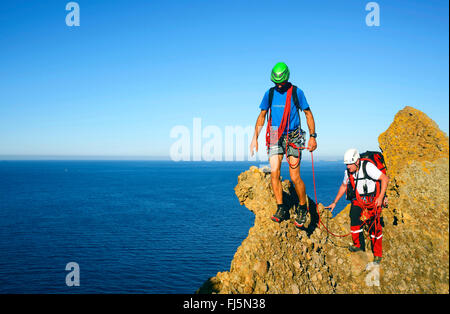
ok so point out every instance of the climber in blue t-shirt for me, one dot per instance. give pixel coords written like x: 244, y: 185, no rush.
x: 285, y: 136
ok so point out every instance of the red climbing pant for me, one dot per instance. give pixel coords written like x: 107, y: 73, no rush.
x: 375, y: 229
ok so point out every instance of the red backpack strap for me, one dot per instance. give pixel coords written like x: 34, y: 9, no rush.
x: 286, y: 113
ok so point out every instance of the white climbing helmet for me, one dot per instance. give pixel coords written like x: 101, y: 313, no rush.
x: 351, y: 156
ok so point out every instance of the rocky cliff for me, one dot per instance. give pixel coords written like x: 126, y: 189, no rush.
x: 278, y: 258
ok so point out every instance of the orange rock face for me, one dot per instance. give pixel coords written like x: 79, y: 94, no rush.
x: 412, y: 136
x: 278, y: 258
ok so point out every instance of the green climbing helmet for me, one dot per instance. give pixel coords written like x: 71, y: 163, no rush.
x: 280, y: 73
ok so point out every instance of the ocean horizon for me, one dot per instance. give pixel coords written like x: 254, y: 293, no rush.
x: 306, y: 157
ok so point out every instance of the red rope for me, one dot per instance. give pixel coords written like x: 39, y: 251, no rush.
x: 284, y: 121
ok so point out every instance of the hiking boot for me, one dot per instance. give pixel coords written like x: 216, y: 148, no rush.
x: 377, y: 259
x: 301, y: 216
x: 281, y: 214
x: 353, y: 248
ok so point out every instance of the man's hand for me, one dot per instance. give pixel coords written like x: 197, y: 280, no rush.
x: 331, y: 206
x: 379, y: 201
x: 312, y: 144
x: 258, y: 127
x: 253, y: 145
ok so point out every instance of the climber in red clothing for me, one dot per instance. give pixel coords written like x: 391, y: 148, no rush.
x: 365, y: 185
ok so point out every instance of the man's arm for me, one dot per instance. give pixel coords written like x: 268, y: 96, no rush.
x: 342, y: 190
x: 384, y: 183
x: 258, y: 127
x: 312, y: 143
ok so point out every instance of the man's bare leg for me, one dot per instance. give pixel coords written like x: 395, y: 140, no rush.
x: 297, y: 180
x: 300, y: 190
x: 275, y: 166
x: 282, y: 212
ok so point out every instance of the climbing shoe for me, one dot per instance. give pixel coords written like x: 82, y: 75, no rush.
x: 353, y: 248
x: 377, y: 259
x: 302, y: 210
x: 281, y: 214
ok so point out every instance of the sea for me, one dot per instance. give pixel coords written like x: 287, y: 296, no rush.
x: 157, y: 227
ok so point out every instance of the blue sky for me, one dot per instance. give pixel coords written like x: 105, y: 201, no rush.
x: 117, y: 84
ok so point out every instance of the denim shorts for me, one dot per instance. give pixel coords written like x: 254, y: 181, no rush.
x: 297, y: 137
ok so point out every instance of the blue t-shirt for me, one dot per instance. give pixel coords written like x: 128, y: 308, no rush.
x: 278, y: 103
